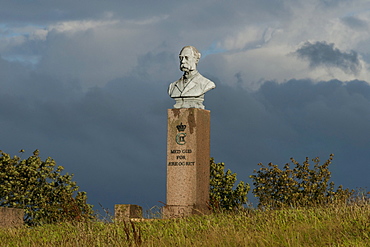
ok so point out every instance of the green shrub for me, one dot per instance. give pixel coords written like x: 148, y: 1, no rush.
x: 300, y: 186
x: 39, y: 188
x: 223, y: 196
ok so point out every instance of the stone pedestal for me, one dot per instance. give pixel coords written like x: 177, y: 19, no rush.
x: 188, y: 169
x: 125, y: 212
x: 11, y: 217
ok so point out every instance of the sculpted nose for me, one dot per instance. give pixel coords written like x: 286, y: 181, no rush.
x: 183, y: 59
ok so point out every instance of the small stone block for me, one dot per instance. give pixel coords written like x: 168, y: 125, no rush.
x: 124, y: 212
x: 11, y: 217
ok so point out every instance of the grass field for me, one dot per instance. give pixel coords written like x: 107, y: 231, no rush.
x: 323, y: 226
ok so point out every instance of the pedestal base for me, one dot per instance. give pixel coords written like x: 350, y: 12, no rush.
x: 178, y: 211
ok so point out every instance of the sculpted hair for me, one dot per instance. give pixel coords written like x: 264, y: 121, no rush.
x: 196, y: 53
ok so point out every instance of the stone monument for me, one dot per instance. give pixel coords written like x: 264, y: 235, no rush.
x: 126, y: 212
x: 11, y: 217
x: 188, y: 141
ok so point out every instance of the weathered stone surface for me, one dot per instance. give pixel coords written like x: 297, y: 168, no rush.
x: 188, y: 171
x: 124, y: 212
x: 11, y: 217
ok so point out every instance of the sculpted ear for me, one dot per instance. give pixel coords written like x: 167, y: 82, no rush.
x: 198, y: 57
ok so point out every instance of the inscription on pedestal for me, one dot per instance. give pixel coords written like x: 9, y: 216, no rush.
x: 182, y: 157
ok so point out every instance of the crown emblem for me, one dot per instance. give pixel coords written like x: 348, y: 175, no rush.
x: 181, y: 127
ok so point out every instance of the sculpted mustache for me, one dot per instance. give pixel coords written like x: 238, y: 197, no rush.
x: 184, y: 66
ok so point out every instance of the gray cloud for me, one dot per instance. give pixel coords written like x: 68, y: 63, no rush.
x: 323, y: 54
x: 295, y: 119
x: 356, y: 23
x: 332, y: 3
x: 202, y: 14
x: 113, y: 138
x: 104, y: 136
x: 43, y: 12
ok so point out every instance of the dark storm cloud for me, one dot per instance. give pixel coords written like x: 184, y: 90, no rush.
x: 295, y: 119
x: 115, y: 133
x: 113, y: 138
x: 326, y: 107
x: 323, y: 54
x: 104, y: 136
x: 329, y: 117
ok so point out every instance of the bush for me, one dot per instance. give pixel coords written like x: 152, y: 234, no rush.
x: 300, y: 186
x: 222, y: 194
x: 39, y: 188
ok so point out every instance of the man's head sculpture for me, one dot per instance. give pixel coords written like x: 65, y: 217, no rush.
x: 189, y: 90
x: 189, y: 57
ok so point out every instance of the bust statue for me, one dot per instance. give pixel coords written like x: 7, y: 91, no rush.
x: 189, y: 90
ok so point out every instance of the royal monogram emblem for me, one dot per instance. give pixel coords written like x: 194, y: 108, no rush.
x: 180, y: 137
x: 181, y: 127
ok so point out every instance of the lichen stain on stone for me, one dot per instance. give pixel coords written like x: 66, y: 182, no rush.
x: 176, y: 112
x: 191, y: 120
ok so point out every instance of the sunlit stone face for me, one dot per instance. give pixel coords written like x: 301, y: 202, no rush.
x: 187, y: 60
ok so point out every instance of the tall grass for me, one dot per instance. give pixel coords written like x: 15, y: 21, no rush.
x: 340, y: 225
